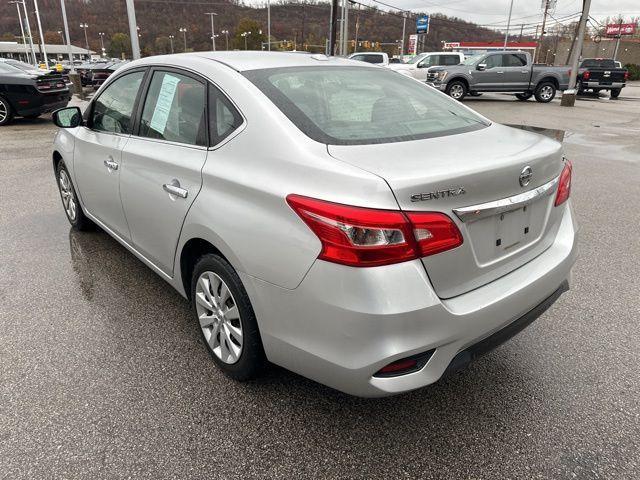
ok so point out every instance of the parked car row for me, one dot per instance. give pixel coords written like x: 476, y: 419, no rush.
x: 503, y: 71
x: 93, y: 74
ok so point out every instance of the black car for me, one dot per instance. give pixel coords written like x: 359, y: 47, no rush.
x: 30, y: 95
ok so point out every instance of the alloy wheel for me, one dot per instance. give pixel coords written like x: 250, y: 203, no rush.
x: 219, y: 317
x: 546, y: 92
x: 68, y: 196
x: 4, y: 111
x: 456, y: 91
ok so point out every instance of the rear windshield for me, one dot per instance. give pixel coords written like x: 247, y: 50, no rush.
x: 598, y: 63
x: 356, y: 105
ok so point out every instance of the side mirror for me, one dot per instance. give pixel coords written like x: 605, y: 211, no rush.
x: 69, y: 117
x: 481, y: 67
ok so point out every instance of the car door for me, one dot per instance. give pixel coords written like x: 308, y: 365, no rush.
x: 492, y: 77
x: 98, y: 150
x: 422, y: 68
x: 162, y: 163
x: 516, y: 71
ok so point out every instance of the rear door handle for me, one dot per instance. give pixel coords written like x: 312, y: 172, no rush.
x: 174, y: 189
x: 500, y: 72
x: 110, y: 164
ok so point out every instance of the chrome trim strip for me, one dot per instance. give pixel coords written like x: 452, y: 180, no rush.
x: 483, y: 210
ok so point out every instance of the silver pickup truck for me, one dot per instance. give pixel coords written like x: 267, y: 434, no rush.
x: 506, y: 71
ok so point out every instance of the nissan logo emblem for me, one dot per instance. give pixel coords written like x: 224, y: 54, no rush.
x: 525, y: 176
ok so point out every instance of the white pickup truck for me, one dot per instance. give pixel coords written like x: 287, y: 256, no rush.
x: 418, y: 67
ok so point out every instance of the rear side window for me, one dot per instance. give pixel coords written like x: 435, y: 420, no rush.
x: 224, y: 119
x: 598, y: 63
x: 449, y: 59
x: 514, y: 60
x: 112, y: 109
x: 361, y: 105
x: 368, y: 58
x: 174, y: 109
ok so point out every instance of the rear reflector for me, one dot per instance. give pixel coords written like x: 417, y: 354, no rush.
x: 366, y: 237
x: 564, y: 184
x: 405, y: 365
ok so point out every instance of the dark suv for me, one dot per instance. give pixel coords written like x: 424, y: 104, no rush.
x: 30, y: 95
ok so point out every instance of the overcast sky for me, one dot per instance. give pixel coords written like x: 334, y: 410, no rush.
x: 524, y: 11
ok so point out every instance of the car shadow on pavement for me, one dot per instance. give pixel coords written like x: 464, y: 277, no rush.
x: 112, y: 281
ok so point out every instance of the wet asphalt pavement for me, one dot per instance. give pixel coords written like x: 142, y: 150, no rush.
x: 103, y: 373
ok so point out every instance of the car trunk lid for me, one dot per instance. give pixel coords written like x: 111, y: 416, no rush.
x: 451, y: 173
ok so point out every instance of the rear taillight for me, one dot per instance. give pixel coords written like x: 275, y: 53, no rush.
x: 586, y: 74
x: 626, y: 75
x: 365, y: 237
x: 564, y: 184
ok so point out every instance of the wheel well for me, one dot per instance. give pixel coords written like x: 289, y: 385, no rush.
x: 549, y: 79
x: 191, y: 252
x: 459, y: 79
x: 56, y: 160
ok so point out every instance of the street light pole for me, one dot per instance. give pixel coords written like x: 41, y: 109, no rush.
x: 226, y: 37
x: 24, y: 40
x: 213, y: 30
x: 184, y: 36
x: 171, y: 37
x: 506, y: 35
x: 44, y: 48
x: 269, y: 25
x: 245, y: 34
x: 86, y: 39
x: 102, y: 42
x: 29, y: 34
x: 404, y: 32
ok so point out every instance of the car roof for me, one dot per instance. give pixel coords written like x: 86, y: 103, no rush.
x: 257, y: 60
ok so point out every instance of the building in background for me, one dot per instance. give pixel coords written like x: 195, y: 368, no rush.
x: 17, y: 51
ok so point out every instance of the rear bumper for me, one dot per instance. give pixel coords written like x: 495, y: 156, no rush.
x: 603, y: 86
x: 341, y: 325
x: 44, y: 103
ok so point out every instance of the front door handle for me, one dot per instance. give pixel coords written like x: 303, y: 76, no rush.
x: 500, y: 71
x: 174, y: 189
x: 110, y: 164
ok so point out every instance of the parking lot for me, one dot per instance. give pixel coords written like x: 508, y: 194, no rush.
x: 103, y: 373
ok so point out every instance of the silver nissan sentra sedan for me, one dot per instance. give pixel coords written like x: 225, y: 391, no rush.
x: 348, y: 223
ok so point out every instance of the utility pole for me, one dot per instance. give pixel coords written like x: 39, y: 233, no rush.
x: 404, y: 32
x: 544, y: 22
x: 44, y: 49
x: 569, y: 96
x: 506, y: 35
x: 332, y: 29
x: 133, y: 30
x: 355, y: 42
x: 615, y: 52
x: 213, y: 30
x: 521, y: 28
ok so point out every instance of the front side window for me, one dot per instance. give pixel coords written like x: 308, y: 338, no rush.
x: 359, y: 105
x: 174, y: 109
x: 493, y: 61
x: 113, y: 108
x: 429, y: 61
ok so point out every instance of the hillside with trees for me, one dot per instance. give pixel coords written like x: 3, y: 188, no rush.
x: 301, y: 25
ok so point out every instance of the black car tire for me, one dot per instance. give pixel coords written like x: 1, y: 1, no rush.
x: 6, y: 112
x: 252, y: 360
x: 81, y: 222
x: 523, y: 97
x: 457, y: 86
x: 541, y: 89
x: 615, y: 92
